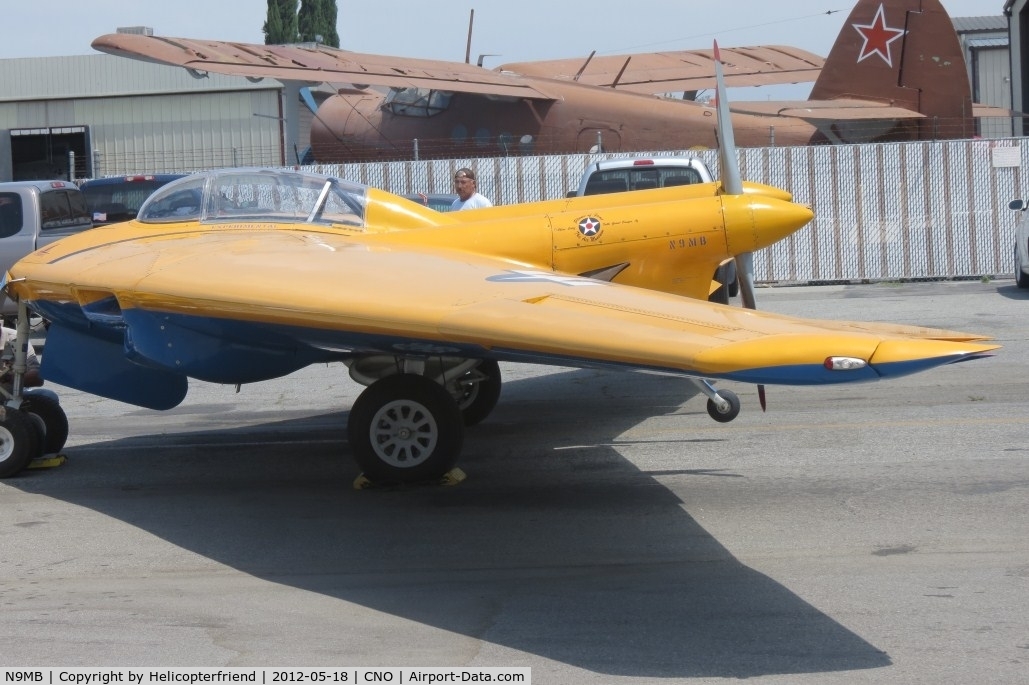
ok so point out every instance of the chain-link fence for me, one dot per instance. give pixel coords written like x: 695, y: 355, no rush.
x: 882, y: 212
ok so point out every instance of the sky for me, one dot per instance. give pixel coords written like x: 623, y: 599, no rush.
x: 517, y: 30
x: 512, y: 30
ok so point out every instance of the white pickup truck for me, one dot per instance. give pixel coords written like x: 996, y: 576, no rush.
x: 641, y: 173
x: 644, y: 173
x: 33, y: 214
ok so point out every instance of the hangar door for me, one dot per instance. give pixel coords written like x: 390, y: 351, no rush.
x: 44, y: 153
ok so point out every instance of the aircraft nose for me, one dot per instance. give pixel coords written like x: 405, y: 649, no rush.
x: 756, y: 221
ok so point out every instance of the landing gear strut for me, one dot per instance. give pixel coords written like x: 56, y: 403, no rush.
x: 722, y: 405
x: 31, y: 424
x: 473, y: 383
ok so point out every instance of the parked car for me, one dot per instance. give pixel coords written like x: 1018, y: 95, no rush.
x: 441, y: 202
x: 1021, y: 244
x: 118, y: 198
x: 641, y: 173
x: 33, y: 214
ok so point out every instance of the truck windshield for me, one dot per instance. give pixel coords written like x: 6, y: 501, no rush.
x: 63, y: 208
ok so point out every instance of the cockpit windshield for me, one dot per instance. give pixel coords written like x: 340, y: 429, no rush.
x: 416, y: 102
x: 257, y: 195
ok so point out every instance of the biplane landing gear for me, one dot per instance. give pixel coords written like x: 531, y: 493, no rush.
x: 405, y: 428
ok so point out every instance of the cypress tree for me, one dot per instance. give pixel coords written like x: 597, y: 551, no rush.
x: 318, y: 18
x: 281, y: 24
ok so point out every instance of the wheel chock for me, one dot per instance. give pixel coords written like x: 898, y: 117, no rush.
x: 362, y: 482
x: 451, y: 477
x: 47, y: 461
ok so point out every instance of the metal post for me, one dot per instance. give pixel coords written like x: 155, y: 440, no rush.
x: 21, y: 347
x: 71, y: 165
x: 416, y: 149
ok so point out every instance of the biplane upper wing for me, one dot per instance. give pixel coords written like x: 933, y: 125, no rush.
x: 316, y: 64
x: 668, y: 72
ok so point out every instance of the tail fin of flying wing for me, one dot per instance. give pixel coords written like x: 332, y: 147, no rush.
x: 904, y: 53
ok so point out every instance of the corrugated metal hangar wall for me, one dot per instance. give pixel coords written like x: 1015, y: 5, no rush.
x: 108, y: 115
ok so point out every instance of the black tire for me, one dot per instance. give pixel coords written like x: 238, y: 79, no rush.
x: 478, y: 399
x: 726, y: 275
x: 731, y: 413
x: 48, y: 413
x: 405, y: 428
x: 720, y: 296
x: 1021, y: 280
x: 18, y: 442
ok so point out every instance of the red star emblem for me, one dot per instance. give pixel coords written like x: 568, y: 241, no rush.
x: 877, y: 37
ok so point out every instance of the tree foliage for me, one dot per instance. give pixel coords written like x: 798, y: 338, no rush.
x: 281, y: 24
x: 318, y: 18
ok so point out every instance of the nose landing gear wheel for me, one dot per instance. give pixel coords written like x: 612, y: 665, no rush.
x: 405, y: 428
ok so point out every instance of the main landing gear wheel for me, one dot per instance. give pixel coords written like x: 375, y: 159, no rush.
x: 405, y: 428
x: 478, y: 392
x: 730, y: 412
x: 48, y: 415
x: 19, y: 442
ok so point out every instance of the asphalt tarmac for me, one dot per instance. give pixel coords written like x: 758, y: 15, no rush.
x: 608, y: 531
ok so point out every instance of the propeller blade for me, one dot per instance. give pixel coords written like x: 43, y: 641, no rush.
x: 745, y: 277
x: 732, y: 184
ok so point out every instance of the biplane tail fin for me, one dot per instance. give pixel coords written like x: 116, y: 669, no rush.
x: 906, y: 54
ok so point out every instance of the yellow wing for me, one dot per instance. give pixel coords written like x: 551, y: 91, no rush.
x: 342, y: 294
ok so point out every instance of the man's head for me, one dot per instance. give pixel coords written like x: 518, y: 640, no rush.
x: 464, y: 183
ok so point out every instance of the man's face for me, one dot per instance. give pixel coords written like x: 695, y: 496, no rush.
x: 464, y: 186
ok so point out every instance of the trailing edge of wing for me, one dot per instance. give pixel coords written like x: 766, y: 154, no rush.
x: 315, y: 64
x: 665, y: 72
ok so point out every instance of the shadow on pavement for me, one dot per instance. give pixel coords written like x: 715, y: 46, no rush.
x: 556, y: 545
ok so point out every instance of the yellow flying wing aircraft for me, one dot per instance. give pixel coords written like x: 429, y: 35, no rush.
x: 240, y: 275
x: 236, y: 276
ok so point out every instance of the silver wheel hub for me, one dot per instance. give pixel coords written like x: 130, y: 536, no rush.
x: 6, y: 444
x: 404, y: 433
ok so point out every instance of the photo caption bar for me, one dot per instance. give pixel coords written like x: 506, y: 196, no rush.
x: 162, y: 675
